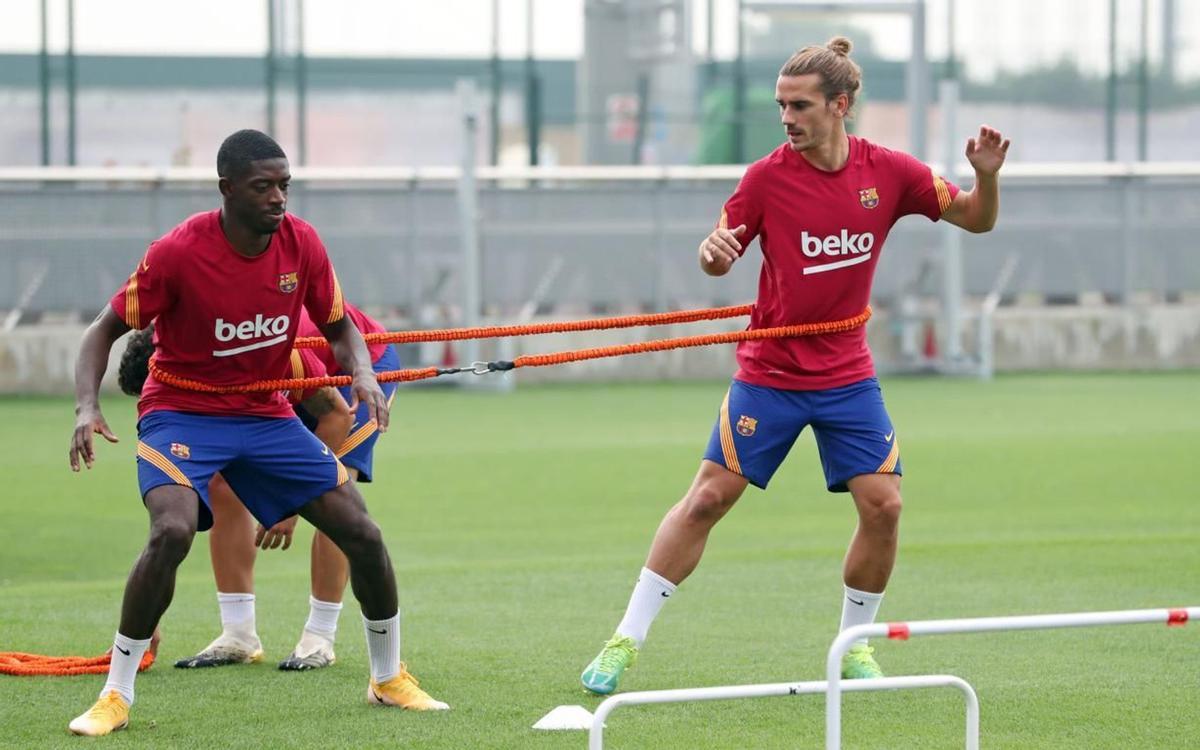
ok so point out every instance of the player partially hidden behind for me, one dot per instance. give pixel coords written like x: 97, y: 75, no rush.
x: 822, y: 205
x: 234, y: 538
x: 225, y: 290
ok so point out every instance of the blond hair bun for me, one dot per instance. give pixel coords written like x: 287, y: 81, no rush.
x: 840, y: 45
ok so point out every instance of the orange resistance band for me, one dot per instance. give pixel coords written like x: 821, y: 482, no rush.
x: 571, y: 326
x: 805, y: 329
x: 16, y: 663
x: 22, y: 664
x: 534, y: 360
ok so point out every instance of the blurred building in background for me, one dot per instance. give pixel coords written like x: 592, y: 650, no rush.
x: 652, y: 81
x: 591, y: 136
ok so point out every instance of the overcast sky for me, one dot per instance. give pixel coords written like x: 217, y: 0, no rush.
x: 989, y: 32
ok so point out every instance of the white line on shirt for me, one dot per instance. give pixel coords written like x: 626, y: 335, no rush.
x: 838, y: 264
x: 250, y: 347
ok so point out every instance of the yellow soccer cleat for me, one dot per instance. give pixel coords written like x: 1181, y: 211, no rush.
x: 403, y: 691
x: 109, y: 714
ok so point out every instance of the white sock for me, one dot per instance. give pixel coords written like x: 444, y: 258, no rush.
x: 126, y: 656
x: 237, y: 612
x: 649, y: 596
x: 859, y: 608
x: 383, y: 647
x: 323, y: 617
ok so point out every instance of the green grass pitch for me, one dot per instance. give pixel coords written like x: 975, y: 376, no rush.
x: 518, y: 523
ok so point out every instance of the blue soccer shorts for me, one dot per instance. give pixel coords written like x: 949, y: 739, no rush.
x: 757, y: 426
x: 274, y: 465
x: 358, y: 450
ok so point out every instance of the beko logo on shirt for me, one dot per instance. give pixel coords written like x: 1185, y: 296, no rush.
x: 834, y: 246
x: 249, y: 330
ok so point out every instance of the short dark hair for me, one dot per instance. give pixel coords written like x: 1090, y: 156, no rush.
x: 243, y: 147
x: 135, y: 362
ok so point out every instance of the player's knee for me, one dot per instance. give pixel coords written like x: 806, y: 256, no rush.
x: 170, y: 539
x: 881, y: 509
x: 706, y: 504
x: 361, y: 539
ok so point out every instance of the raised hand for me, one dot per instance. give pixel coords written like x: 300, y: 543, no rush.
x: 986, y: 153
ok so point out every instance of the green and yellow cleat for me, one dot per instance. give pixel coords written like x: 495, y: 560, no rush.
x: 603, y: 674
x: 859, y: 664
x: 109, y: 714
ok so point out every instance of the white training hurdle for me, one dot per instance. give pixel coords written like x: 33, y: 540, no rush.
x: 904, y: 630
x: 833, y: 686
x: 769, y: 690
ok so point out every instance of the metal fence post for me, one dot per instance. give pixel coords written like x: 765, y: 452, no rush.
x: 468, y: 216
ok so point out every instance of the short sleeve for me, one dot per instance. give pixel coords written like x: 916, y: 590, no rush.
x: 305, y: 364
x: 323, y: 296
x: 922, y: 191
x: 744, y: 207
x: 147, y: 293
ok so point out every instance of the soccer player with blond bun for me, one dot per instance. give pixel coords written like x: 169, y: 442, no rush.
x: 821, y: 206
x: 225, y: 290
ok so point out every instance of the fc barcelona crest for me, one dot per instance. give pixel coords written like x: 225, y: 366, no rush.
x: 746, y: 425
x: 868, y: 197
x: 288, y: 282
x: 179, y: 450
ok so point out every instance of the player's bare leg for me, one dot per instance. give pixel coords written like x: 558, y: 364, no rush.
x: 151, y: 585
x: 231, y: 539
x: 342, y: 516
x: 330, y: 569
x: 675, y: 552
x: 872, y: 553
x: 148, y: 592
x: 869, y: 561
x: 330, y: 572
x: 231, y: 547
x: 679, y: 542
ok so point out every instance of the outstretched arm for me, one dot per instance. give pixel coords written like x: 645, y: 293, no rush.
x: 976, y: 211
x: 89, y: 370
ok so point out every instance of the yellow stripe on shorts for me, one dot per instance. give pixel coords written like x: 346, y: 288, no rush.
x: 356, y: 438
x: 728, y: 449
x: 163, y: 464
x: 893, y: 457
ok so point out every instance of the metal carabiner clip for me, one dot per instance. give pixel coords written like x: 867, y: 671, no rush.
x: 480, y: 368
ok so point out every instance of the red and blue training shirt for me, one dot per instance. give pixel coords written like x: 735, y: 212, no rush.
x: 821, y: 235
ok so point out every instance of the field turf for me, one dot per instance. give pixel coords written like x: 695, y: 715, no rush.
x: 517, y: 524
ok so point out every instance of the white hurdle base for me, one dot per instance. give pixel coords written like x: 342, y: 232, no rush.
x: 902, y: 631
x: 783, y: 689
